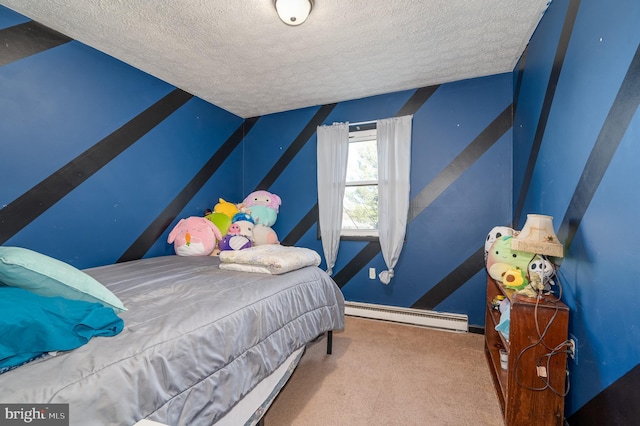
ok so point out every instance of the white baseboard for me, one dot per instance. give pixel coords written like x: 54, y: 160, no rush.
x: 447, y: 321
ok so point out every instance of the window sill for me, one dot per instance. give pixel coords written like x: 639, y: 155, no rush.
x: 359, y: 238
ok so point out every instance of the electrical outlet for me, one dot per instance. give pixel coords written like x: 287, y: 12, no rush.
x: 372, y: 273
x: 573, y: 348
x: 541, y: 370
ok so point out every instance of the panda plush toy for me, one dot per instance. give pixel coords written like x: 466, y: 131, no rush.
x: 496, y: 233
x: 546, y: 270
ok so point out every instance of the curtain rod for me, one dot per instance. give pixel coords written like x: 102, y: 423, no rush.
x: 362, y: 123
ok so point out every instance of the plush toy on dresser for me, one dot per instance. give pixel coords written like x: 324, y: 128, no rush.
x: 501, y: 258
x: 527, y: 273
x: 496, y: 233
x: 541, y: 272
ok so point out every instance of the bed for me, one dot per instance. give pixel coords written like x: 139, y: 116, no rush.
x: 200, y: 345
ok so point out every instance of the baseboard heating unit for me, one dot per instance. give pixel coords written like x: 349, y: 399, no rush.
x: 454, y: 322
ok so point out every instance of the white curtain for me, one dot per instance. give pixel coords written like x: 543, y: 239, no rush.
x: 394, y: 164
x: 333, y: 150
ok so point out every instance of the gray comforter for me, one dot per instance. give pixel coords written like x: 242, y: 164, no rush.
x: 196, y: 340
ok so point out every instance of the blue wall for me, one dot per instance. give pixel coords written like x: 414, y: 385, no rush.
x: 100, y: 160
x: 76, y: 107
x: 576, y: 149
x: 453, y: 162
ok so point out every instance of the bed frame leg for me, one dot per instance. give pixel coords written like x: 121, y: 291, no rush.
x: 329, y: 341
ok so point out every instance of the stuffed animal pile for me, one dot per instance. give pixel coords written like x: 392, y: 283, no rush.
x: 229, y: 227
x: 527, y: 273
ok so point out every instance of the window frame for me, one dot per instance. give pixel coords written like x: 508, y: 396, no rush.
x: 361, y: 133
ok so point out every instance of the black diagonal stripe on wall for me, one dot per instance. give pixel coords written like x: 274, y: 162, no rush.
x: 623, y: 395
x: 27, y: 39
x: 615, y: 125
x: 302, y: 227
x: 516, y: 90
x: 463, y: 273
x: 485, y: 140
x: 26, y: 208
x: 558, y: 61
x: 151, y: 234
x: 306, y: 133
x: 358, y: 262
x: 413, y: 104
x: 417, y: 99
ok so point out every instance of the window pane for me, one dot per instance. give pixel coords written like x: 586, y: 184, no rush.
x: 363, y: 161
x: 360, y: 207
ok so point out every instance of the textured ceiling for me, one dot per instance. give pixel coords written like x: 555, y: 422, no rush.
x: 239, y: 56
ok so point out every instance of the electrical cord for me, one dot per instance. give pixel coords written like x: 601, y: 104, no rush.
x: 533, y: 345
x: 559, y: 349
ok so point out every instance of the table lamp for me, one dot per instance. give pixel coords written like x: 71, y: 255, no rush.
x: 538, y: 237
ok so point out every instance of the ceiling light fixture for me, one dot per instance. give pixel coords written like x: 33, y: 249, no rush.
x: 293, y: 12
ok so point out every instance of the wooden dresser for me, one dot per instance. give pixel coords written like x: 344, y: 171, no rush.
x: 526, y: 396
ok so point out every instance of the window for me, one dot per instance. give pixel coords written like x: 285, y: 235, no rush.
x: 351, y: 186
x: 360, y: 203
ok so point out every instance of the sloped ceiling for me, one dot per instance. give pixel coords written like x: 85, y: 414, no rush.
x: 239, y: 56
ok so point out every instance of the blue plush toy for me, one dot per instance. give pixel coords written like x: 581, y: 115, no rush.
x: 242, y: 216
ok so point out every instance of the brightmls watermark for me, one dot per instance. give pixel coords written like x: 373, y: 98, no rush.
x: 34, y: 414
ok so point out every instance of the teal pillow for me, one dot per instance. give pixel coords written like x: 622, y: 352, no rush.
x: 46, y: 276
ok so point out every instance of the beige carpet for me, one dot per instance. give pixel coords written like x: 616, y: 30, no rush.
x: 383, y: 373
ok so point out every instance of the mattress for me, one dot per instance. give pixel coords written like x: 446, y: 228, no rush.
x: 197, y: 339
